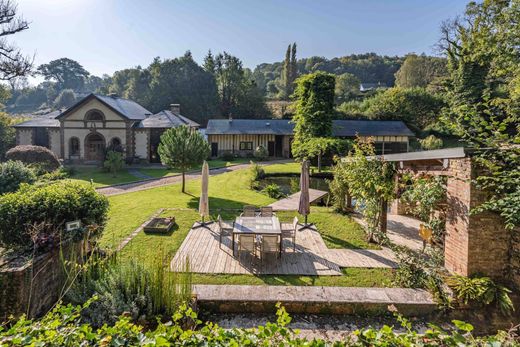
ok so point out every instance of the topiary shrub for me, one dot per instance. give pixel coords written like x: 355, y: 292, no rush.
x: 14, y: 173
x: 40, y: 157
x: 49, y: 206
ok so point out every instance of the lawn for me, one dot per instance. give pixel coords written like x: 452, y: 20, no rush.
x: 216, y: 163
x: 101, y: 178
x: 228, y: 193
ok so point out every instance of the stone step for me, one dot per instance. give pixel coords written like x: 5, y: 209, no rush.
x: 314, y: 299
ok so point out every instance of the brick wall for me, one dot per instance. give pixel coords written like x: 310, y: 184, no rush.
x: 476, y: 243
x: 33, y: 286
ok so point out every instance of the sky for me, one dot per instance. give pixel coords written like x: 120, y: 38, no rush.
x: 109, y: 35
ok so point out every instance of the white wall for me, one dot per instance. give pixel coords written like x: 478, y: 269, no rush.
x: 141, y: 143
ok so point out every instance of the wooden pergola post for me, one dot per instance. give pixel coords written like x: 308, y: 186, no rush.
x: 348, y: 201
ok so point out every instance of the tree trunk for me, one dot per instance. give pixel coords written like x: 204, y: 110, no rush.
x: 383, y: 217
x: 319, y: 162
x: 183, y: 181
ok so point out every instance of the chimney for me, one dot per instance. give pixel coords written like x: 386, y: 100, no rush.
x: 175, y: 109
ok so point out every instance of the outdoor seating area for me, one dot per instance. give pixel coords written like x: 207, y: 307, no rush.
x: 257, y: 243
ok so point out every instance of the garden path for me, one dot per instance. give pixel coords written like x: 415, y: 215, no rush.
x: 163, y: 181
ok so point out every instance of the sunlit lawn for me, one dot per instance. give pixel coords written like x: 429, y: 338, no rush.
x: 216, y: 163
x: 102, y: 178
x: 228, y: 192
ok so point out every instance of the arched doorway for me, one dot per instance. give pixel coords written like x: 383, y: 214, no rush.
x: 94, y: 147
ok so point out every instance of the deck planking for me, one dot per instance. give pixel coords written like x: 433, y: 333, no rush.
x: 202, y: 249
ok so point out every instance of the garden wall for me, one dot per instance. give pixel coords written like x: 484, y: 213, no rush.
x: 32, y: 286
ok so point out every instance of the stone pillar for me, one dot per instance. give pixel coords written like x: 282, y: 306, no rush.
x: 476, y: 243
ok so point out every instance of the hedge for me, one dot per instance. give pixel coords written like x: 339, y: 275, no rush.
x: 53, y: 204
x: 14, y: 173
x: 38, y: 156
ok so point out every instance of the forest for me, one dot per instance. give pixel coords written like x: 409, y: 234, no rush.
x: 222, y: 87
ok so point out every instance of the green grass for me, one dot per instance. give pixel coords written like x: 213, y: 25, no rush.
x: 216, y: 163
x: 352, y: 277
x: 230, y: 193
x: 100, y: 177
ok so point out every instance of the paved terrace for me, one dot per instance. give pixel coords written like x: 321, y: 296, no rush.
x: 312, y: 257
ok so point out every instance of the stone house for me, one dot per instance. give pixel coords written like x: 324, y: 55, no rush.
x: 242, y: 136
x: 81, y: 133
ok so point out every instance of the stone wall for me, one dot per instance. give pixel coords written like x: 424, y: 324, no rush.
x: 32, y: 286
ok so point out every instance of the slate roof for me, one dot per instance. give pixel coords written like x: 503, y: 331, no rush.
x: 249, y: 126
x: 166, y: 119
x: 349, y: 128
x: 340, y: 127
x: 127, y: 108
x: 47, y: 120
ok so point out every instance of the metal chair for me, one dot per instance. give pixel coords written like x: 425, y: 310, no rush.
x: 249, y: 211
x: 247, y: 243
x: 270, y: 244
x: 224, y: 228
x: 266, y: 211
x: 289, y: 231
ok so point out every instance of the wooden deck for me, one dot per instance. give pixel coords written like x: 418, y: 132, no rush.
x: 312, y: 257
x: 291, y: 202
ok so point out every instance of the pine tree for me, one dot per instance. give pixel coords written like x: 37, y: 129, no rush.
x: 209, y: 63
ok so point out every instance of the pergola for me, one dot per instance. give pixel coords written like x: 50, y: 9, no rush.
x: 474, y: 242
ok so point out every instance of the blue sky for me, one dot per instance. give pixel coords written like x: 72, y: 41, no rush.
x: 109, y: 35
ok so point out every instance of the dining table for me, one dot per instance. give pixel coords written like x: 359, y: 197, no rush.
x: 257, y: 225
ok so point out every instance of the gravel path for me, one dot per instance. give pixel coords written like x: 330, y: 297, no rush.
x: 328, y: 327
x: 163, y: 181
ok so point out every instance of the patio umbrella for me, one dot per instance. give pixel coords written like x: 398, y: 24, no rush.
x: 304, y: 207
x: 204, y: 200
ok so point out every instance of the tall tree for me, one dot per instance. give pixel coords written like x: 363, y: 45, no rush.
x: 484, y: 94
x: 209, y: 62
x: 66, y: 99
x: 12, y: 63
x: 314, y: 109
x: 294, y: 67
x: 420, y: 71
x: 7, y: 134
x: 347, y: 87
x: 286, y: 77
x: 183, y: 148
x: 239, y: 95
x: 67, y: 73
x: 183, y: 81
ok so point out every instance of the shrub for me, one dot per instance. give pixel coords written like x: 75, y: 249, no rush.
x: 256, y: 172
x: 227, y: 156
x: 273, y: 191
x: 481, y: 290
x: 431, y: 142
x: 135, y: 288
x: 260, y: 153
x: 114, y: 162
x: 39, y: 157
x: 63, y: 326
x: 14, y: 173
x: 52, y: 205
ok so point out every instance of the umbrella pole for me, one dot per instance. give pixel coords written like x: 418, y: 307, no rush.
x: 307, y: 225
x: 202, y: 224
